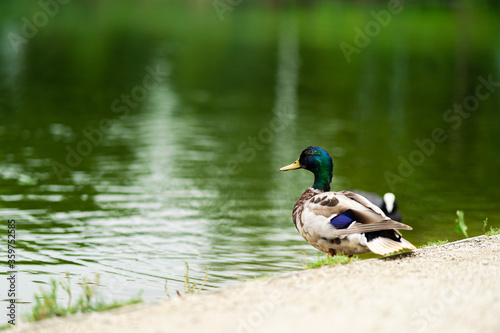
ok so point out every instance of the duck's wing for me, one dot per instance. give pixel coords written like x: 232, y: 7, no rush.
x: 337, y: 214
x: 374, y: 198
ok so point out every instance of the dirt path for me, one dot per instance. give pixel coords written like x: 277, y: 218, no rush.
x: 449, y: 288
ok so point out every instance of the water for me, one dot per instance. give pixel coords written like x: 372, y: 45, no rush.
x: 185, y: 169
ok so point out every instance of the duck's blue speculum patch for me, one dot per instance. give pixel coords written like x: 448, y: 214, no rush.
x: 344, y: 220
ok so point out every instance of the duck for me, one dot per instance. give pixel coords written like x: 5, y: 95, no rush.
x: 387, y: 203
x: 341, y: 222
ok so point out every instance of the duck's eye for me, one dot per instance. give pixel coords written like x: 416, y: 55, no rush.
x: 310, y: 153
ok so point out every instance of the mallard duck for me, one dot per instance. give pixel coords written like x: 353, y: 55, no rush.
x: 341, y: 222
x: 387, y: 203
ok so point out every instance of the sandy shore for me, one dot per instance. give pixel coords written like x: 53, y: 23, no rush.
x: 449, y: 288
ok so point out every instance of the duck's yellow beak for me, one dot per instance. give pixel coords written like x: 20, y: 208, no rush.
x: 295, y: 165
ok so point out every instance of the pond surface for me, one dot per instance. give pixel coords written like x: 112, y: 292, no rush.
x: 130, y: 148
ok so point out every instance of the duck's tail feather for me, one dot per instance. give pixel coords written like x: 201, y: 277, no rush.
x: 383, y: 245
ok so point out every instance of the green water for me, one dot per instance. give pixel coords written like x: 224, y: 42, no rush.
x: 185, y: 169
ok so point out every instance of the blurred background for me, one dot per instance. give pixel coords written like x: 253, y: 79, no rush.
x: 136, y: 136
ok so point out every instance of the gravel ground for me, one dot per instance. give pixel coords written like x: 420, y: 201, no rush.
x: 449, y: 288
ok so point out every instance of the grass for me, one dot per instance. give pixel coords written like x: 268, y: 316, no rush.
x: 265, y: 276
x: 331, y: 261
x: 189, y: 287
x: 434, y: 243
x: 460, y: 225
x: 492, y: 231
x: 47, y: 306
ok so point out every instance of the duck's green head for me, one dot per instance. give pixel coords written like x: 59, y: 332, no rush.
x: 316, y: 160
